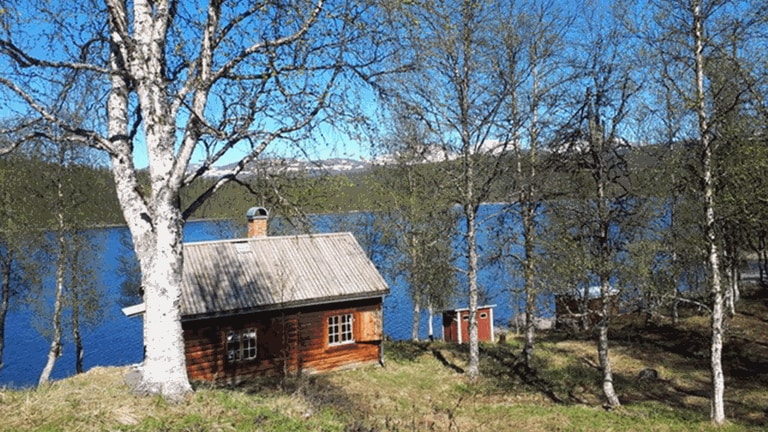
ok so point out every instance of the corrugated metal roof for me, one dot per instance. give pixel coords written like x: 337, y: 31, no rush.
x: 271, y: 272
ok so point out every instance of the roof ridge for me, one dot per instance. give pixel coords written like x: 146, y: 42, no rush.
x: 267, y: 238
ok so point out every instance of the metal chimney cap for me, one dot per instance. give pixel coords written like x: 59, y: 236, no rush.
x: 255, y: 213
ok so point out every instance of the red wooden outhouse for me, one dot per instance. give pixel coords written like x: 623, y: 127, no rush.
x: 456, y: 324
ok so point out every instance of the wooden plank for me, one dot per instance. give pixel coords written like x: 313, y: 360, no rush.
x: 288, y: 341
x: 369, y: 328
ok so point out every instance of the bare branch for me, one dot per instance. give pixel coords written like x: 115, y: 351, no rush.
x: 255, y: 153
x: 25, y: 60
x: 298, y: 34
x: 84, y: 136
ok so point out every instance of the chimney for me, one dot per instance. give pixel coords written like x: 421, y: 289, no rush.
x: 257, y: 221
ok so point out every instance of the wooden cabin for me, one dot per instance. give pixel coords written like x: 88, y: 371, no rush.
x: 456, y: 325
x: 576, y: 308
x: 279, y: 305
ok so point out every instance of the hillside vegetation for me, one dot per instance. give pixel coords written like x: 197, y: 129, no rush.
x: 283, y: 194
x: 422, y: 388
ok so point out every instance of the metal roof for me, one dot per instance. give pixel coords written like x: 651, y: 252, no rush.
x: 242, y: 275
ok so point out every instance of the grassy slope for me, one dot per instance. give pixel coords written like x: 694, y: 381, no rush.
x: 421, y: 388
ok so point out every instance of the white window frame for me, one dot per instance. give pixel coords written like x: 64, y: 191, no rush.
x: 341, y: 329
x: 240, y: 345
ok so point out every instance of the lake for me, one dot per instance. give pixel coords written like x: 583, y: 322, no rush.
x: 117, y: 340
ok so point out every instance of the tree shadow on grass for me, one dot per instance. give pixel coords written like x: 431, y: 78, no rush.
x: 440, y: 356
x: 405, y: 351
x: 579, y: 382
x: 317, y: 392
x: 683, y: 351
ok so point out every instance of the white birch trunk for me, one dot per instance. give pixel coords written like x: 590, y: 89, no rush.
x: 430, y: 327
x: 416, y: 316
x: 602, y: 347
x: 530, y: 282
x: 730, y: 305
x: 164, y: 369
x: 605, y: 311
x: 54, y: 351
x: 732, y: 295
x: 603, y: 211
x: 473, y: 369
x: 5, y: 296
x: 154, y: 221
x: 528, y: 216
x: 717, y: 403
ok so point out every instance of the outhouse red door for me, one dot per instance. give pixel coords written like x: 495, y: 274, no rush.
x: 484, y: 325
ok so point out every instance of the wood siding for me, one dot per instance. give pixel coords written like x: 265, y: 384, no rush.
x: 570, y: 311
x: 288, y: 342
x: 456, y: 325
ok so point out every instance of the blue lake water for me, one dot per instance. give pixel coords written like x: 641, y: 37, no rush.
x: 117, y: 340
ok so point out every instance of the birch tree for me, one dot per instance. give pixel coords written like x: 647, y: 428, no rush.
x: 717, y: 408
x: 419, y: 219
x: 455, y: 92
x: 84, y: 299
x: 534, y: 54
x: 61, y: 254
x: 71, y: 250
x: 205, y: 81
x: 603, y: 215
x: 741, y: 157
x: 17, y: 237
x: 692, y: 35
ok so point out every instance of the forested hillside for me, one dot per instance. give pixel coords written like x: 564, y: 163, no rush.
x: 27, y: 191
x: 286, y: 193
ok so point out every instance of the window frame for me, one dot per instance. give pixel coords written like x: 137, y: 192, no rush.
x: 240, y: 345
x: 340, y: 329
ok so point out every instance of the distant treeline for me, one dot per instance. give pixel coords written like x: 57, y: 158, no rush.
x: 28, y: 192
x: 281, y: 193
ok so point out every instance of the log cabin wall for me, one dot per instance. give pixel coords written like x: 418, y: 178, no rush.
x: 569, y: 311
x: 288, y: 341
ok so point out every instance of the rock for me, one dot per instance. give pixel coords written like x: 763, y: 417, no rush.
x: 648, y: 375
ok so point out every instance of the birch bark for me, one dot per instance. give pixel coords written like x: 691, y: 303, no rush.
x: 604, y: 264
x: 54, y: 350
x: 470, y: 212
x: 416, y: 315
x: 5, y: 297
x: 154, y: 222
x: 717, y: 404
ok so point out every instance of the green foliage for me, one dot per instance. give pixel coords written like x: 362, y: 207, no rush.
x: 286, y: 194
x: 98, y: 206
x: 419, y: 222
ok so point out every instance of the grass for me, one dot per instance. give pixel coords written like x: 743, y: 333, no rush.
x: 422, y: 388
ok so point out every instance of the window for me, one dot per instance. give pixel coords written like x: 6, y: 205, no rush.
x: 340, y: 329
x: 241, y: 345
